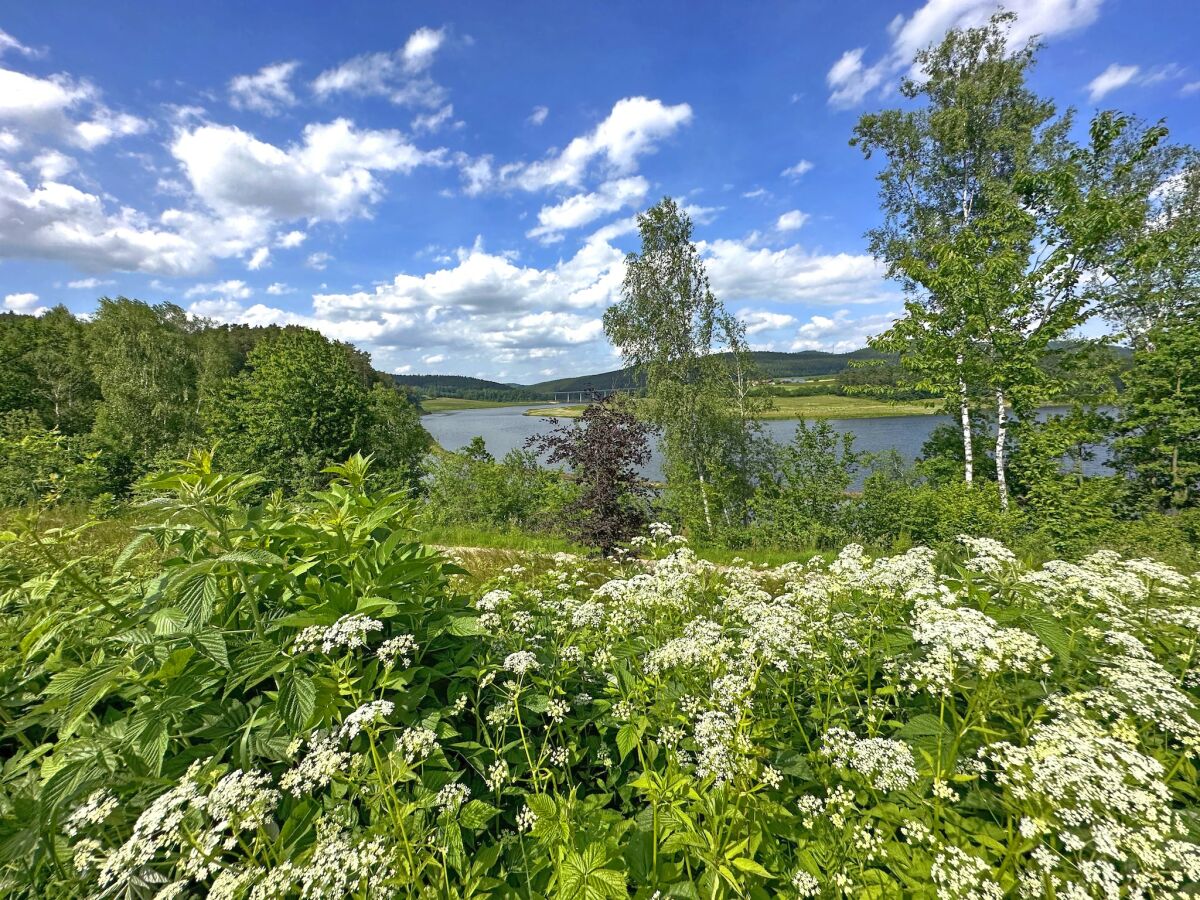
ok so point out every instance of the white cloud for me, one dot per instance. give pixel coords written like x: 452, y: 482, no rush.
x: 21, y: 303
x: 433, y: 121
x: 59, y: 222
x: 267, y: 91
x: 106, y: 125
x: 290, y: 240
x: 580, y: 209
x: 232, y: 289
x: 538, y: 116
x: 840, y: 333
x: 1115, y: 76
x: 421, y: 47
x: 278, y: 289
x: 331, y: 174
x: 791, y: 220
x: 318, y: 260
x: 8, y: 42
x: 434, y: 359
x: 756, y: 193
x: 850, y: 79
x: 797, y: 170
x: 758, y: 321
x: 259, y: 258
x: 399, y: 76
x: 632, y: 129
x: 739, y: 271
x: 88, y: 284
x: 1192, y: 87
x: 53, y: 165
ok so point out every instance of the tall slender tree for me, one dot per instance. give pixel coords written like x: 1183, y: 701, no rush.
x: 693, y: 355
x: 992, y: 216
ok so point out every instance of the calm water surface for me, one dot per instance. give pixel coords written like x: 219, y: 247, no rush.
x: 504, y: 428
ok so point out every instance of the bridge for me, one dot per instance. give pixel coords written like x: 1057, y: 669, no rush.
x: 588, y: 395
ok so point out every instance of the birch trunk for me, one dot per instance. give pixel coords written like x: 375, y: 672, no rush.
x: 1001, y: 433
x: 965, y: 411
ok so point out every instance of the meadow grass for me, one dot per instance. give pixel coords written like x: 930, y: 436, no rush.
x: 449, y: 404
x: 821, y: 406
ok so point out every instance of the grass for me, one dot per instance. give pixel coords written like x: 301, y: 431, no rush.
x: 821, y: 406
x: 448, y: 404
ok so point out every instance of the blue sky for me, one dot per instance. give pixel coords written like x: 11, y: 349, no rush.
x: 452, y: 186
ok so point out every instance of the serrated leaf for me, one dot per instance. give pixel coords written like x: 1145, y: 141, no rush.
x: 212, y: 644
x: 475, y: 814
x: 297, y: 700
x: 627, y: 739
x: 466, y: 626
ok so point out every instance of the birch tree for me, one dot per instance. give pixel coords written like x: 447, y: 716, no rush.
x: 670, y: 326
x: 992, y: 218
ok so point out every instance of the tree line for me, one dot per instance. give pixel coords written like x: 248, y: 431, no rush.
x: 88, y: 406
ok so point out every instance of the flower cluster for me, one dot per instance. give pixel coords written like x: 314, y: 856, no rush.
x: 349, y: 633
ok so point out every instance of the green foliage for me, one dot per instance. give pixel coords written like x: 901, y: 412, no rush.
x: 1160, y: 425
x: 471, y: 488
x: 672, y: 330
x: 298, y: 407
x: 801, y: 498
x: 40, y: 466
x: 296, y: 699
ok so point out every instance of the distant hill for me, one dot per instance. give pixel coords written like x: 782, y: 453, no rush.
x: 769, y: 363
x: 463, y: 386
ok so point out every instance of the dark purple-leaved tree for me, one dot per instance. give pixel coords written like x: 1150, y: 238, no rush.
x: 605, y: 450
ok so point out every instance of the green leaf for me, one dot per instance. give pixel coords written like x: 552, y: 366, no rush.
x: 745, y: 864
x: 475, y: 814
x: 297, y: 699
x: 212, y: 644
x: 627, y: 739
x: 466, y: 626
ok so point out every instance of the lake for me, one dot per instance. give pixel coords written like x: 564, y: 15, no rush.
x: 505, y: 428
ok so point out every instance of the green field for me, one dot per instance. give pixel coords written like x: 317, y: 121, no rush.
x: 823, y: 406
x: 446, y: 404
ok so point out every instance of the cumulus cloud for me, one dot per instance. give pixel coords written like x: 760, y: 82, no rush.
x: 538, y: 116
x: 89, y: 284
x: 259, y: 258
x: 57, y: 221
x: 850, y: 79
x: 60, y: 106
x: 278, y: 289
x: 330, y: 174
x: 232, y: 289
x: 841, y: 332
x: 632, y: 129
x: 290, y: 240
x: 740, y: 271
x: 791, y: 220
x: 318, y: 260
x: 758, y: 321
x: 22, y: 303
x: 267, y: 91
x: 53, y: 165
x: 581, y: 209
x: 400, y: 76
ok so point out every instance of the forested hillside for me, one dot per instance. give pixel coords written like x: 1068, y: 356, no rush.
x: 89, y: 406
